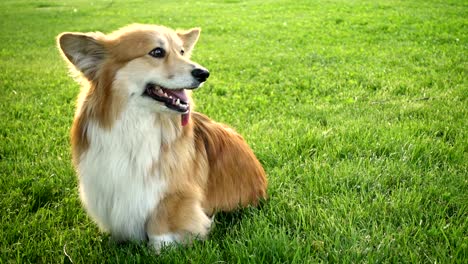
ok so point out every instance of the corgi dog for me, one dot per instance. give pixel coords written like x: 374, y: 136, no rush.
x: 150, y: 168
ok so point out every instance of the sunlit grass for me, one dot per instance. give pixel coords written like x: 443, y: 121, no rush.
x: 356, y: 109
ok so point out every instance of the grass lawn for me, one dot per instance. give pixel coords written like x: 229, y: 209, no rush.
x: 358, y: 111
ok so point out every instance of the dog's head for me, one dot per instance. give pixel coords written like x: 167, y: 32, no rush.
x: 144, y: 66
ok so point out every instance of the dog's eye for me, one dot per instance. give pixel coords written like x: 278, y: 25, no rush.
x: 157, y: 53
x: 182, y: 52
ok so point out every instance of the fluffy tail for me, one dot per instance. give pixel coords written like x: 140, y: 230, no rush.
x: 236, y: 178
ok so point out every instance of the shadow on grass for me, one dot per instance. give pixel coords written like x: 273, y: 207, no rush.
x: 226, y: 224
x: 229, y: 222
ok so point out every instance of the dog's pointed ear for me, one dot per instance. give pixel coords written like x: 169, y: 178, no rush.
x: 189, y: 38
x: 85, y: 51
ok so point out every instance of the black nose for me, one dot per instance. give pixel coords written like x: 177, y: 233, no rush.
x: 200, y: 74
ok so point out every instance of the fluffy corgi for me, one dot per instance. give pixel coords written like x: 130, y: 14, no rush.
x: 150, y: 168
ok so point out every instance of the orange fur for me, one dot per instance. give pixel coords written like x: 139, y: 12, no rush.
x: 236, y: 178
x: 207, y: 166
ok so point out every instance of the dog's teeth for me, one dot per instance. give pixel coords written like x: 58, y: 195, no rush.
x: 165, y: 94
x: 177, y: 102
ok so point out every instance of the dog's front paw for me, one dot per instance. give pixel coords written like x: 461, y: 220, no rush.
x: 157, y: 242
x: 202, y: 225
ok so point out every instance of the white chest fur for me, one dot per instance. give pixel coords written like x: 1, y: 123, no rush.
x: 118, y: 184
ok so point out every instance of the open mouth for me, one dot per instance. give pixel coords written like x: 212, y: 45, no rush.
x: 175, y: 100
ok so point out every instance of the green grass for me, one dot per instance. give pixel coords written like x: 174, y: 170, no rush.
x: 357, y: 110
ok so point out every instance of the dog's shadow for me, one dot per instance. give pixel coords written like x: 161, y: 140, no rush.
x: 227, y: 222
x: 224, y: 224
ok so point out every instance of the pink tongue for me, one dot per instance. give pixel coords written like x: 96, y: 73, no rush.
x: 183, y: 97
x: 178, y: 93
x: 185, y: 118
